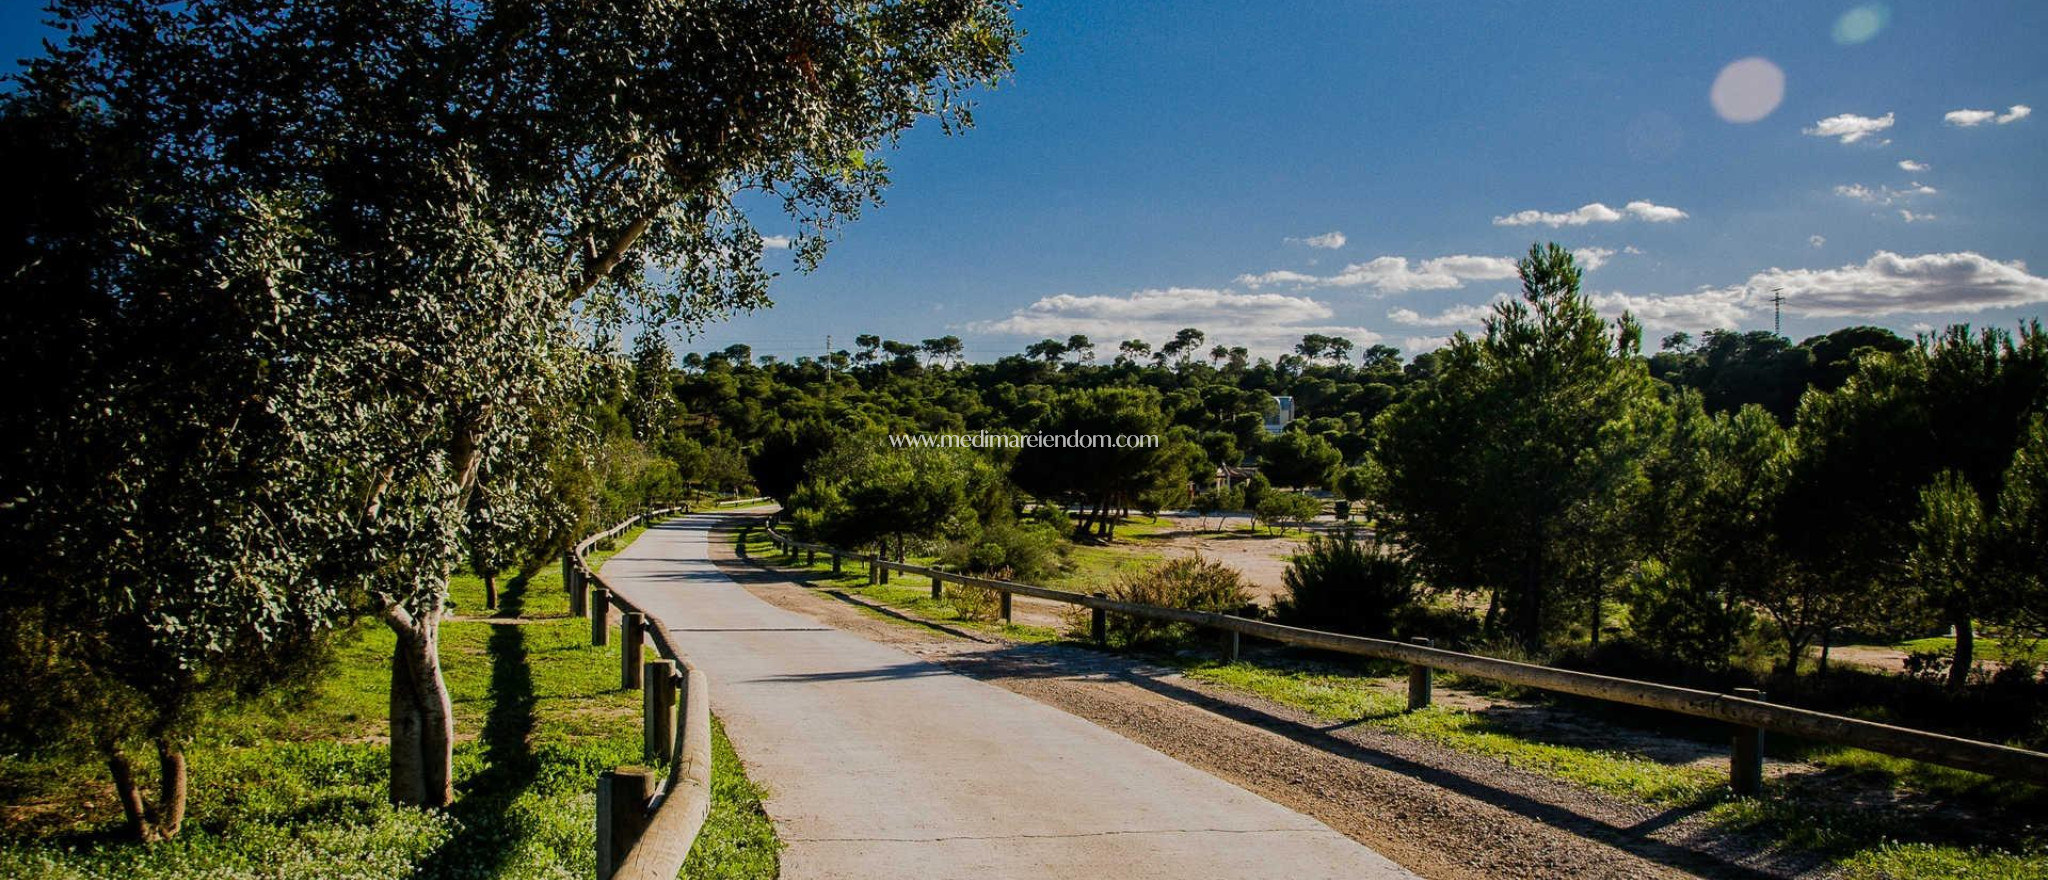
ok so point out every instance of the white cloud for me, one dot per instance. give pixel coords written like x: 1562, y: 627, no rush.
x: 1331, y: 240
x: 1653, y: 213
x: 1591, y: 258
x: 1267, y: 322
x: 1394, y: 275
x: 1390, y: 274
x: 1277, y: 276
x: 1699, y: 310
x: 1464, y: 316
x: 1911, y: 217
x: 1883, y: 195
x: 1910, y: 165
x: 1973, y: 118
x: 1632, y: 250
x: 1818, y: 241
x: 776, y: 242
x: 1593, y: 213
x: 1888, y: 283
x: 1849, y: 127
x: 1969, y: 118
x: 1415, y: 345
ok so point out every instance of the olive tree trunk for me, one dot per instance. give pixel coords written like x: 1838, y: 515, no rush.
x: 422, y: 719
x: 149, y: 823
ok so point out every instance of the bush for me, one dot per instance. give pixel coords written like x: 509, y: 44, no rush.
x: 1255, y: 490
x: 1346, y: 584
x: 1278, y: 508
x: 1692, y: 624
x: 1212, y: 502
x: 1013, y: 551
x: 1190, y: 583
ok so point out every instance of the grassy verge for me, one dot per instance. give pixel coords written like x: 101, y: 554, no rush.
x: 962, y: 607
x: 1865, y: 842
x: 296, y: 786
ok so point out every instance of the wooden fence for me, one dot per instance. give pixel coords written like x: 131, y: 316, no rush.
x: 1746, y: 710
x: 645, y: 825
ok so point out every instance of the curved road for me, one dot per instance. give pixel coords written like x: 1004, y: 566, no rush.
x: 880, y: 764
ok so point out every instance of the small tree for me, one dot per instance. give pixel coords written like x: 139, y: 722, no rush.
x: 1299, y: 459
x: 1344, y: 583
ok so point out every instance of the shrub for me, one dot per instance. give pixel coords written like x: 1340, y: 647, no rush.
x: 1016, y: 551
x: 1212, y: 502
x: 1190, y: 583
x: 1692, y: 624
x: 1342, y: 583
x: 1255, y: 490
x: 1278, y: 508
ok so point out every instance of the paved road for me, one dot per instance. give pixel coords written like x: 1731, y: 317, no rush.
x: 879, y: 764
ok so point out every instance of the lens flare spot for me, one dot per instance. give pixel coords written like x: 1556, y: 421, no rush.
x: 1748, y: 90
x: 1860, y: 24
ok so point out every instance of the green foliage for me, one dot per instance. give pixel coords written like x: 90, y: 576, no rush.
x: 1361, y: 482
x: 1298, y: 459
x: 876, y: 495
x: 1278, y: 509
x: 1191, y: 583
x: 1105, y: 478
x: 1027, y: 552
x: 1517, y: 471
x: 1255, y: 490
x: 1349, y: 584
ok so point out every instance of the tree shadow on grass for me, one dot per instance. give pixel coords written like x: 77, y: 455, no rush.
x: 479, y: 847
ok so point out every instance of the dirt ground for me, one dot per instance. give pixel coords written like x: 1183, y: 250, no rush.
x: 1439, y: 812
x: 1261, y: 558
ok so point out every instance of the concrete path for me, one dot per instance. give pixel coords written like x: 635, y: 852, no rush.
x: 882, y: 765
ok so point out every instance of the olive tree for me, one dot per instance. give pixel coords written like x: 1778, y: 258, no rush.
x: 471, y: 182
x: 165, y: 476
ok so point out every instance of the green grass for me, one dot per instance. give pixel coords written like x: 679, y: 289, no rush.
x: 1867, y: 843
x: 1341, y: 697
x: 295, y: 785
x: 1997, y: 650
x: 909, y: 593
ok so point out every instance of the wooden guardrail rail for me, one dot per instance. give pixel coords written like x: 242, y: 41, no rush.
x: 1746, y: 710
x: 645, y: 827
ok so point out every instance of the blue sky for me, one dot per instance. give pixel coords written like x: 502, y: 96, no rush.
x: 1159, y: 165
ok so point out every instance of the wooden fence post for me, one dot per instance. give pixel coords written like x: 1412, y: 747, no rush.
x: 885, y: 571
x: 1098, y: 622
x: 632, y: 626
x: 1420, y: 685
x: 600, y: 616
x: 938, y: 587
x: 835, y: 564
x: 622, y: 797
x: 1746, y: 758
x: 1235, y: 647
x: 658, y: 711
x: 874, y: 570
x: 1003, y: 605
x: 568, y: 571
x: 810, y: 556
x: 577, y: 597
